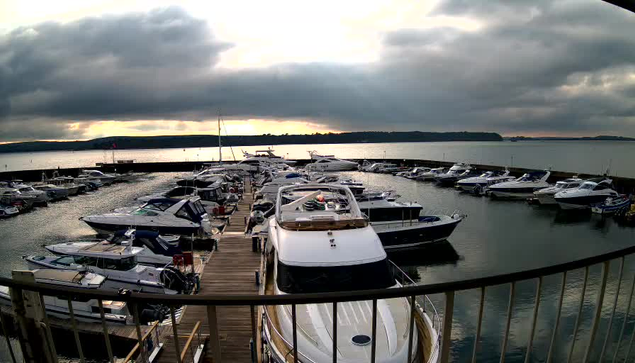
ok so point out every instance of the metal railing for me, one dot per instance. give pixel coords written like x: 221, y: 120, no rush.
x: 31, y: 343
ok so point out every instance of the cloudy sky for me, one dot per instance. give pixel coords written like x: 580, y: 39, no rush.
x: 83, y: 69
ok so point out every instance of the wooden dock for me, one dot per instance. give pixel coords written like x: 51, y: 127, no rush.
x: 230, y: 270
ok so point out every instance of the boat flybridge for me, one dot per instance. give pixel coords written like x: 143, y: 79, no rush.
x: 185, y: 217
x: 321, y: 243
x: 83, y: 310
x: 545, y: 196
x: 591, y: 192
x: 521, y: 188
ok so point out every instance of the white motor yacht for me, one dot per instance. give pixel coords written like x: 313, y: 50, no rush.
x: 521, y: 188
x: 317, y: 156
x: 431, y: 174
x: 119, y: 263
x: 484, y: 180
x: 8, y: 211
x: 323, y: 243
x: 155, y: 250
x: 331, y: 164
x: 84, y: 310
x: 589, y: 193
x: 414, y: 173
x: 27, y: 191
x: 185, y: 217
x: 266, y: 156
x: 458, y: 170
x: 545, y: 196
x: 91, y: 175
x: 54, y: 192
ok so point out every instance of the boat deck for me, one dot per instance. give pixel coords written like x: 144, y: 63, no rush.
x: 230, y: 270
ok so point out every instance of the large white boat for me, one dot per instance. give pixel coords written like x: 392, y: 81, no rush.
x: 120, y: 265
x: 521, y: 188
x: 458, y: 170
x: 484, y: 180
x: 331, y: 164
x: 589, y: 193
x: 323, y: 243
x: 25, y: 191
x: 545, y: 196
x: 266, y: 156
x: 84, y: 310
x: 90, y: 175
x: 185, y: 217
x: 431, y: 174
x: 155, y: 250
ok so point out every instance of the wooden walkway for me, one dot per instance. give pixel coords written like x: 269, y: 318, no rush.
x: 230, y: 270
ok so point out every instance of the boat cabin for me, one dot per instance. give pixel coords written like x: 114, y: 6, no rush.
x: 190, y: 209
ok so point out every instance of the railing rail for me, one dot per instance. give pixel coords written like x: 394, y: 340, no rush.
x: 417, y: 293
x: 327, y: 297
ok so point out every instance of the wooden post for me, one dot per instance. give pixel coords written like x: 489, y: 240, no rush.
x: 29, y: 315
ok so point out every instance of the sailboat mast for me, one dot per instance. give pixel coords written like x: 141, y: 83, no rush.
x: 220, y: 146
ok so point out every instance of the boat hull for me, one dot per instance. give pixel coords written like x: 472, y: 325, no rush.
x: 583, y: 202
x: 107, y: 228
x: 402, y: 235
x: 545, y: 199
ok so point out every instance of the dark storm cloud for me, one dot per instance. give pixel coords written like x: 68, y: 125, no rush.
x: 539, y: 67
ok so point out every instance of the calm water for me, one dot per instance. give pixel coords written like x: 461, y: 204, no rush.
x: 497, y: 237
x: 574, y: 156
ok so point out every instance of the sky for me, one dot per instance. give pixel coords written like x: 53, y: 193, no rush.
x: 84, y: 69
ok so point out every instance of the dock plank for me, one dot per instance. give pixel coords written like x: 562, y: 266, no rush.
x: 230, y: 270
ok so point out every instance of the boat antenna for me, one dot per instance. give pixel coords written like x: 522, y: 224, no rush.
x: 230, y: 147
x: 220, y: 146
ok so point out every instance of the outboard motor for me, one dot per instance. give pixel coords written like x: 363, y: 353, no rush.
x: 173, y: 279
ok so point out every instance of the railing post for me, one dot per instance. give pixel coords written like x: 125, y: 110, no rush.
x: 478, y: 324
x: 510, y: 310
x: 557, y: 323
x: 579, y: 316
x: 105, y: 329
x: 175, y: 332
x: 29, y: 334
x: 598, y: 310
x: 214, y: 337
x: 75, y: 332
x: 295, y: 333
x: 628, y: 310
x: 373, y: 341
x: 47, y: 328
x: 534, y: 319
x: 252, y: 311
x: 335, y: 332
x: 446, y: 339
x: 142, y: 352
x: 413, y: 307
x: 617, y: 295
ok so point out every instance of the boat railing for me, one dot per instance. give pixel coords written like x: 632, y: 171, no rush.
x: 587, y: 341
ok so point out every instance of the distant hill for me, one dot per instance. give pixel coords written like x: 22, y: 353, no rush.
x: 588, y: 138
x: 163, y: 142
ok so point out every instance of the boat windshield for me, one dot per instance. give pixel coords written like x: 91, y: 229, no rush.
x: 303, y: 279
x: 587, y: 186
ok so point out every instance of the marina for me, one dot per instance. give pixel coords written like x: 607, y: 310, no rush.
x: 231, y: 262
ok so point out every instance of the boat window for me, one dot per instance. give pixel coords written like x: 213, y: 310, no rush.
x: 144, y: 212
x: 179, y: 191
x: 600, y: 187
x: 123, y: 264
x: 64, y: 261
x: 185, y: 212
x: 586, y: 186
x: 85, y: 260
x: 302, y: 279
x: 572, y: 185
x: 199, y: 207
x: 161, y: 206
